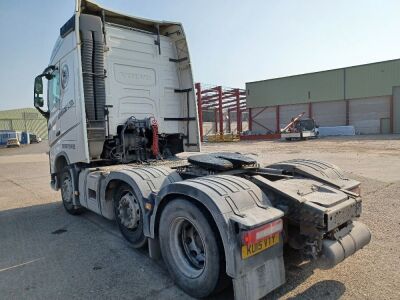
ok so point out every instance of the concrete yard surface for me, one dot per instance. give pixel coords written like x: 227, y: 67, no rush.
x: 46, y: 253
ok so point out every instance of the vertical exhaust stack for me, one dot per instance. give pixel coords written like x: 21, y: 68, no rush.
x: 91, y: 31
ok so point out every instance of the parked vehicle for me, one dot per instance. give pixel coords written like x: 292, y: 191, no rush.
x: 300, y: 128
x: 13, y: 142
x: 35, y: 139
x: 121, y: 105
x: 5, y: 135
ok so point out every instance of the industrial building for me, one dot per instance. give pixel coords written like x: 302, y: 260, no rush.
x: 365, y: 96
x: 23, y: 119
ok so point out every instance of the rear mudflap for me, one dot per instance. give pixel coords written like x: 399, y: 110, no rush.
x: 262, y: 272
x: 260, y: 281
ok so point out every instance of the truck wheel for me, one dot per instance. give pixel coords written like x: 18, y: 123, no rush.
x: 67, y: 193
x: 190, y: 249
x: 129, y: 217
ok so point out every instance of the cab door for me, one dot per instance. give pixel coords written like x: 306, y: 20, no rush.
x: 53, y: 102
x: 68, y: 117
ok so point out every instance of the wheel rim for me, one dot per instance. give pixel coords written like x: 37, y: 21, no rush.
x: 129, y: 211
x: 66, y: 190
x: 187, y: 247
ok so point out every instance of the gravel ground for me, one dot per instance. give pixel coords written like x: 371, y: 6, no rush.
x: 46, y: 253
x: 24, y: 149
x: 373, y: 272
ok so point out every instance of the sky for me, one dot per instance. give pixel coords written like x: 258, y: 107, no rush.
x: 231, y: 42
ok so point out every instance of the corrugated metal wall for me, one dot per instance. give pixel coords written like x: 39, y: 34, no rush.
x: 323, y: 86
x: 329, y: 113
x: 368, y: 89
x: 372, y: 80
x: 363, y: 81
x: 366, y: 114
x: 287, y: 112
x: 396, y: 109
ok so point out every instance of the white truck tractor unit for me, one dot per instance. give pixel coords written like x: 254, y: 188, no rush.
x: 121, y: 105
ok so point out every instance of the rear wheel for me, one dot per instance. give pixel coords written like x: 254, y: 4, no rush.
x: 67, y: 193
x: 129, y: 216
x: 191, y: 250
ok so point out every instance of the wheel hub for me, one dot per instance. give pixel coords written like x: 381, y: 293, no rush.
x: 188, y: 246
x: 66, y: 189
x: 193, y: 245
x: 129, y: 211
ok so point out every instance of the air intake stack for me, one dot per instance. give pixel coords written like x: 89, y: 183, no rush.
x: 92, y: 38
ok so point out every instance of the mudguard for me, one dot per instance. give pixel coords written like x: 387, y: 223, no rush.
x: 318, y: 170
x: 233, y: 202
x: 145, y: 181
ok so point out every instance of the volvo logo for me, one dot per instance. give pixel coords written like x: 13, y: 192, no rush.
x: 64, y: 76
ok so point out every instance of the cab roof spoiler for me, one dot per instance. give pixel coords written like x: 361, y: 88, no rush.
x: 90, y: 7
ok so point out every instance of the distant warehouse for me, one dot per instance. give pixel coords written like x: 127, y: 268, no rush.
x: 365, y: 96
x: 23, y: 120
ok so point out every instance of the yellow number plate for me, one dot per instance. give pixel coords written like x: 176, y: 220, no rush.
x: 253, y: 249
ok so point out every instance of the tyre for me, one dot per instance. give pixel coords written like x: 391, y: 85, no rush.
x: 67, y: 193
x: 191, y: 250
x: 129, y: 215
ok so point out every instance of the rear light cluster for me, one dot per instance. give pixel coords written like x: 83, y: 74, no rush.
x: 261, y: 233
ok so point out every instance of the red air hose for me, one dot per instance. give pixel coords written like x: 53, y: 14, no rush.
x: 154, y: 146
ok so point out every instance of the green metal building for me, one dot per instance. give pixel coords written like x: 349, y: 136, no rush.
x: 24, y: 119
x: 366, y: 96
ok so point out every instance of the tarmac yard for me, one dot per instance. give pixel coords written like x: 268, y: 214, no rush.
x: 46, y: 253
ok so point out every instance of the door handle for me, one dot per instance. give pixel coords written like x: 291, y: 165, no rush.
x: 58, y: 132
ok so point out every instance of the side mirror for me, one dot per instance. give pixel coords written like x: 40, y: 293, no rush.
x: 38, y: 92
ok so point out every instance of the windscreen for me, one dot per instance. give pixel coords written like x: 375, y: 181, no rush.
x: 306, y: 124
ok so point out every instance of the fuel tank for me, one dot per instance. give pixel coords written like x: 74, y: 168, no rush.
x: 335, y: 251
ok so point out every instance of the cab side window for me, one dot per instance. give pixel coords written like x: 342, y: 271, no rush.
x: 54, y: 90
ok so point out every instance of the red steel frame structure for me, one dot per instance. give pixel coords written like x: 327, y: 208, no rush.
x: 220, y: 99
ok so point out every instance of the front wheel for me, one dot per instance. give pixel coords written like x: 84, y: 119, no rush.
x: 191, y: 250
x: 67, y: 193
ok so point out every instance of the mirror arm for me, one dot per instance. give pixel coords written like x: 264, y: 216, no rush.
x: 48, y: 72
x: 45, y: 114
